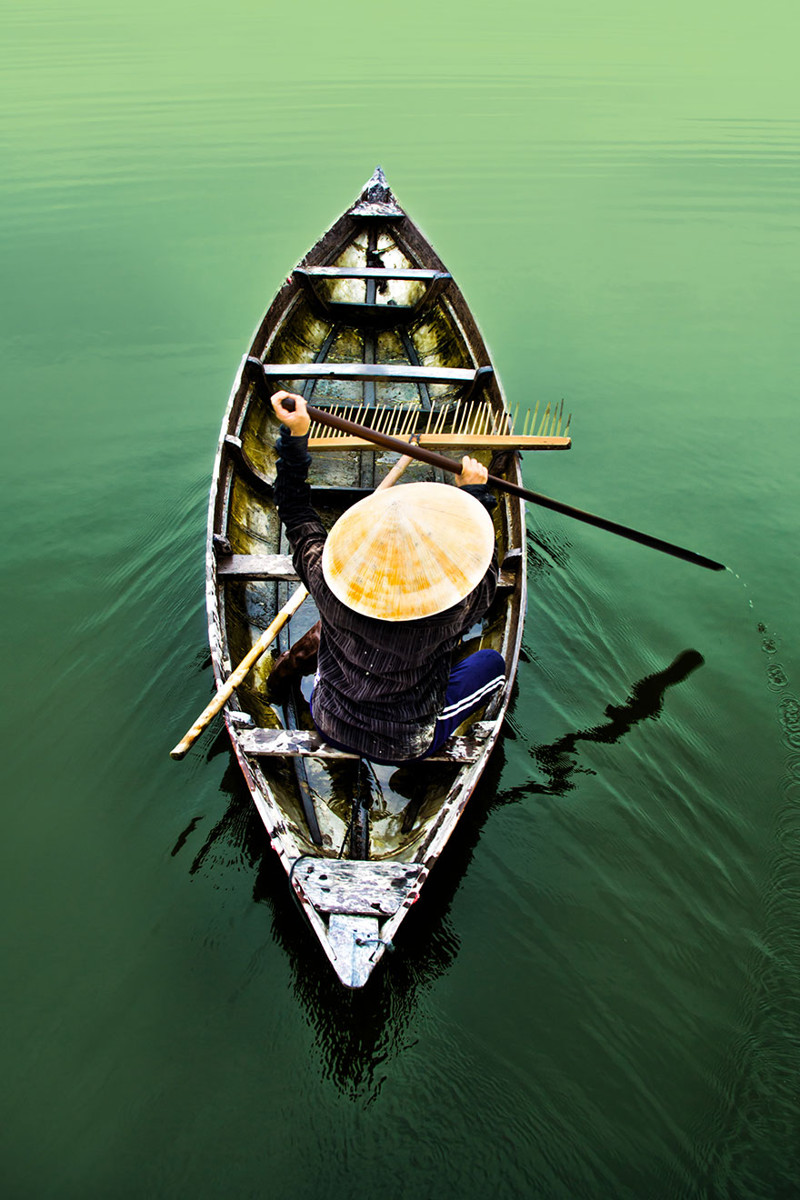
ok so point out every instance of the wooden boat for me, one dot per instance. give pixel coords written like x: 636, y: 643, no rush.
x: 371, y: 325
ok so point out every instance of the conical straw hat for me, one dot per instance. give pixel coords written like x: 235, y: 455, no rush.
x: 409, y: 551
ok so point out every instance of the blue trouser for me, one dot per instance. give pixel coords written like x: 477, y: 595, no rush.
x: 471, y: 683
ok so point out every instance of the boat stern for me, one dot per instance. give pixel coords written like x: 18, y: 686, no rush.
x: 355, y: 907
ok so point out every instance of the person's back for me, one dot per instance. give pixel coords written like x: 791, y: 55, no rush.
x: 382, y: 684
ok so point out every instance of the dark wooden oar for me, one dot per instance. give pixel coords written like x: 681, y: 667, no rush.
x: 451, y: 464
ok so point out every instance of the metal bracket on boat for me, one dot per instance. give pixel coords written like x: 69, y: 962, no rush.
x: 389, y: 945
x: 356, y: 944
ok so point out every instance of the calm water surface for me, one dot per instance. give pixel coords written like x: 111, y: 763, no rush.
x: 598, y: 996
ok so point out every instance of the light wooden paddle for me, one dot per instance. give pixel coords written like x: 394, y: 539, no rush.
x: 264, y: 642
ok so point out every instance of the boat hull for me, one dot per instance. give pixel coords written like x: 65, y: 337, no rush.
x: 370, y: 325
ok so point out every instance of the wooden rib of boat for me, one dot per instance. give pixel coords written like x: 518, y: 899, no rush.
x: 370, y: 325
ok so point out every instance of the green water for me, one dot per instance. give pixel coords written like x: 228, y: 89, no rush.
x: 598, y: 996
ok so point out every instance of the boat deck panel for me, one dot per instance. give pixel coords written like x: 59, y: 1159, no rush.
x: 361, y: 888
x: 304, y: 743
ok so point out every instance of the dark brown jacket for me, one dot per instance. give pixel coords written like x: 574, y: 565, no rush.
x: 379, y: 684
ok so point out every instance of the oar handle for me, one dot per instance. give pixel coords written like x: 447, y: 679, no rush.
x: 452, y: 465
x: 235, y: 678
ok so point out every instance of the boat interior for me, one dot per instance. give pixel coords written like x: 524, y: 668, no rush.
x: 369, y: 329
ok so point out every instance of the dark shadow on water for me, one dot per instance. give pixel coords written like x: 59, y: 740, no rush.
x: 646, y: 699
x: 359, y: 1032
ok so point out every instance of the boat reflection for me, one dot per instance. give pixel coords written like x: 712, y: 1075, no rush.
x: 359, y: 1032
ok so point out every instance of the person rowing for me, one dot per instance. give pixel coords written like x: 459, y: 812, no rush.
x: 401, y: 576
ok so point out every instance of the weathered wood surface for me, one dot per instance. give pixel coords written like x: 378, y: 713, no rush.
x: 256, y: 566
x: 355, y: 942
x: 305, y: 743
x: 376, y: 199
x: 378, y: 273
x: 365, y: 888
x: 280, y: 566
x: 373, y: 372
x: 507, y: 580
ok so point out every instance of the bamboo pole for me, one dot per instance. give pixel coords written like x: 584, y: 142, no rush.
x: 264, y: 642
x: 235, y: 678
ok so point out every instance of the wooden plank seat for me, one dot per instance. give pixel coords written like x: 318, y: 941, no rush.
x: 373, y: 372
x: 256, y: 566
x: 303, y: 743
x: 377, y: 273
x: 370, y: 311
x: 357, y: 887
x: 280, y: 566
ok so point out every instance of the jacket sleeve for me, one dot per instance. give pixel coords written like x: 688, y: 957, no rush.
x: 481, y: 492
x: 480, y: 598
x: 304, y: 529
